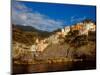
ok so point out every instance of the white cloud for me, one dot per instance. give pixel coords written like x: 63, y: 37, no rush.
x: 24, y: 16
x: 77, y: 19
x: 20, y: 6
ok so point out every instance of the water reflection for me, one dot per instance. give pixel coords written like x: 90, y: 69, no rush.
x: 19, y: 69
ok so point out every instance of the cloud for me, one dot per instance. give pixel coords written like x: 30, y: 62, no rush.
x: 77, y: 19
x: 20, y: 6
x: 22, y: 15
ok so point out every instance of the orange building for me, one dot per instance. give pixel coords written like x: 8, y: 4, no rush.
x: 77, y: 27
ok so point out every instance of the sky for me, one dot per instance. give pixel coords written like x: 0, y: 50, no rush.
x: 50, y: 16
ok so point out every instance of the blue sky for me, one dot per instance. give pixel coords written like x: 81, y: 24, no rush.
x: 50, y: 16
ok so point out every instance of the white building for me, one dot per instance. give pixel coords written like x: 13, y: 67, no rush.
x: 33, y: 48
x: 65, y: 30
x: 90, y: 26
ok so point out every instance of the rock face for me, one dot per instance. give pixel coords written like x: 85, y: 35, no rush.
x: 87, y: 52
x: 54, y: 51
x: 68, y: 43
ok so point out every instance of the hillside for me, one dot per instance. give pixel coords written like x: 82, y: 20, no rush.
x: 76, y: 49
x: 51, y: 45
x: 27, y: 34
